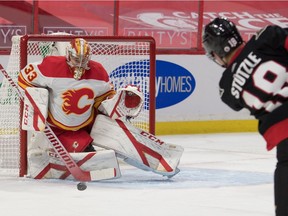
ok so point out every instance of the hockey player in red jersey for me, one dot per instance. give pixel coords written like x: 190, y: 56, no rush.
x: 255, y: 78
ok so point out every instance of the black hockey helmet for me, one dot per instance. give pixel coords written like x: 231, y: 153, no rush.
x: 220, y: 37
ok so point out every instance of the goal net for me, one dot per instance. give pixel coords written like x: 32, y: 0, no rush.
x: 128, y: 60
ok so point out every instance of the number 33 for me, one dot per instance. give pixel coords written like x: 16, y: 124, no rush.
x: 30, y: 72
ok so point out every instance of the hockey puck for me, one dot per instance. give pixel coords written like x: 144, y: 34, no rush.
x: 81, y: 186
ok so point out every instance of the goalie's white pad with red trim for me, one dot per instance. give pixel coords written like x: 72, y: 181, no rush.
x: 126, y: 102
x: 138, y: 148
x: 43, y: 162
x: 35, y: 109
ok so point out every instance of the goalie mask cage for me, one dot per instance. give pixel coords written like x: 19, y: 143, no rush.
x: 128, y: 60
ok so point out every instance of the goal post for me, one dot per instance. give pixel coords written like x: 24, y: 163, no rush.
x: 128, y: 60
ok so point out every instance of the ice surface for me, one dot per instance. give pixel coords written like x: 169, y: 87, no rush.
x: 221, y: 175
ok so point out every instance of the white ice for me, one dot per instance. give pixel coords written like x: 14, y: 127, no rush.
x: 221, y: 175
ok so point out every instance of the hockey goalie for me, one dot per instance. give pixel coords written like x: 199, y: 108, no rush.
x: 73, y: 95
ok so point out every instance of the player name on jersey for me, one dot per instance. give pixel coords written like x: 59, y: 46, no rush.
x: 243, y: 72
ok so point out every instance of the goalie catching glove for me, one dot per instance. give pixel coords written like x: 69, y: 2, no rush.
x: 126, y: 102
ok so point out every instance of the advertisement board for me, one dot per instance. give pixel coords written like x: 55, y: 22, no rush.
x: 174, y: 25
x: 186, y: 89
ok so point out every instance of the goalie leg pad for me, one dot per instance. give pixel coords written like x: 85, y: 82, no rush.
x: 138, y: 148
x: 43, y: 162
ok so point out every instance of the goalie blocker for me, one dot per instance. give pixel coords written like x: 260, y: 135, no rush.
x: 35, y: 119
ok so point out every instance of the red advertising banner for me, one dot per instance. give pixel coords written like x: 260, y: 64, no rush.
x: 173, y: 24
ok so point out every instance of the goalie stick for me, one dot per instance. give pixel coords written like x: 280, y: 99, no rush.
x: 75, y: 170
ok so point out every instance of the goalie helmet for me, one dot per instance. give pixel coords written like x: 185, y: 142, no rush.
x: 220, y: 37
x: 78, y: 54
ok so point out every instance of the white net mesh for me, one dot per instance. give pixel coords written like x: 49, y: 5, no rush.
x: 10, y: 117
x: 126, y: 61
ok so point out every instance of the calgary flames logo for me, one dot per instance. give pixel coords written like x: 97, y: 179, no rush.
x: 74, y: 101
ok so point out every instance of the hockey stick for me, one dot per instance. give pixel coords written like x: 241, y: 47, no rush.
x: 58, y: 147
